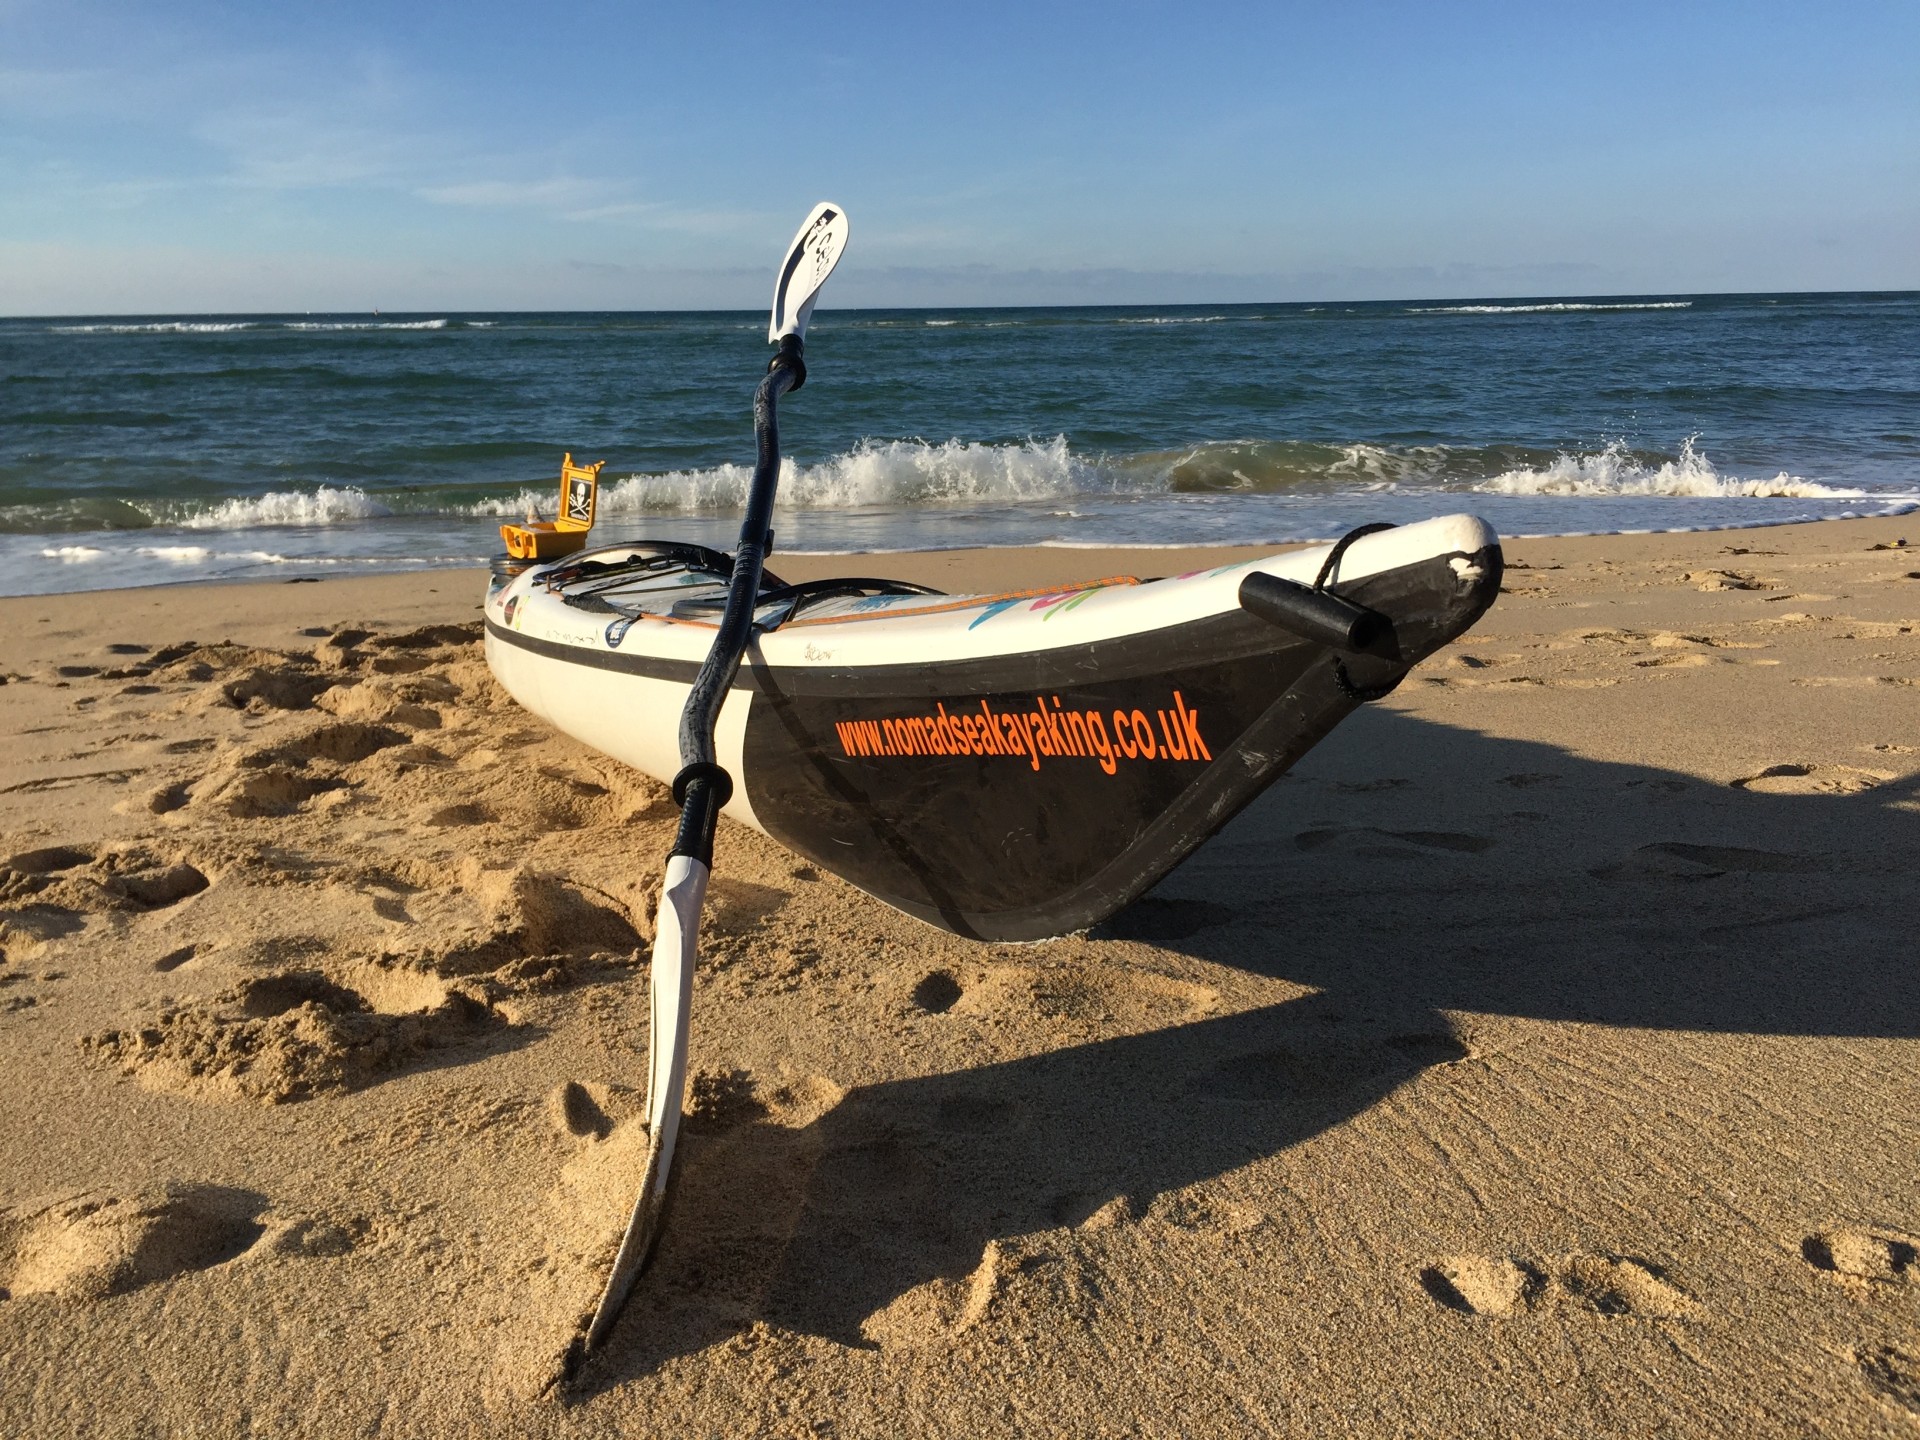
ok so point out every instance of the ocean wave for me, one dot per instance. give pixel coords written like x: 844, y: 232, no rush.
x: 367, y: 324
x: 1177, y: 319
x: 905, y: 476
x: 1618, y: 471
x: 223, y: 327
x: 157, y: 327
x: 880, y: 473
x: 328, y: 505
x: 72, y: 554
x: 1554, y: 307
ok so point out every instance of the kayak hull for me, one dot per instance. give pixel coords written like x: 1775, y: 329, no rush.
x: 1017, y: 785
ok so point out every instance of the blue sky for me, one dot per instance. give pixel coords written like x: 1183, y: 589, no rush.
x: 196, y: 156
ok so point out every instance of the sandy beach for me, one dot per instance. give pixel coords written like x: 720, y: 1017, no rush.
x: 1539, y: 1058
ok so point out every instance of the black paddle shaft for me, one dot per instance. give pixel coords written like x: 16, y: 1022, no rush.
x: 702, y: 787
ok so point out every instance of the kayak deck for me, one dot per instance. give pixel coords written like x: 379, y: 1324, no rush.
x: 689, y: 583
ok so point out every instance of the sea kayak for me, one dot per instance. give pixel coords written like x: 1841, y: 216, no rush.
x: 1009, y: 766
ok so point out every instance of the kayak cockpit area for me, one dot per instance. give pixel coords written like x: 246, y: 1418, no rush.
x: 680, y: 581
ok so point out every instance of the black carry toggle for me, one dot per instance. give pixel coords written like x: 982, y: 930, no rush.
x: 1311, y: 614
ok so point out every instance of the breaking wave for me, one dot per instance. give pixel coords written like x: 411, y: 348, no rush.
x: 1547, y: 308
x: 1617, y: 470
x: 223, y: 327
x: 907, y: 476
x: 328, y: 505
x: 367, y: 324
x: 157, y: 327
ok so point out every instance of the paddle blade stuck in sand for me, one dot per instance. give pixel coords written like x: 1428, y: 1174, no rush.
x: 702, y: 786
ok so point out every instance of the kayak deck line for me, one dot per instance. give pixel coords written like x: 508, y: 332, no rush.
x: 972, y: 602
x: 606, y: 595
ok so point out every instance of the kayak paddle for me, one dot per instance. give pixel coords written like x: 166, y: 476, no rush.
x: 702, y: 787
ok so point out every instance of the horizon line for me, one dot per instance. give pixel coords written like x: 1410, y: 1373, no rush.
x: 1448, y: 300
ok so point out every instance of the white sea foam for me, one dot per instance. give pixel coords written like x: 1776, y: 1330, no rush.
x: 367, y: 324
x: 202, y: 555
x: 874, y: 473
x: 175, y: 554
x: 1614, y: 471
x: 72, y: 554
x: 892, y: 472
x: 158, y: 327
x: 222, y: 327
x: 325, y: 506
x: 1555, y: 307
x: 1173, y: 319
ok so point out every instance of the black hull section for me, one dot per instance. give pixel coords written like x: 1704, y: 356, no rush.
x: 1033, y: 795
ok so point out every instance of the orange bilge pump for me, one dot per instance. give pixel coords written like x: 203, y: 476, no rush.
x: 537, y: 539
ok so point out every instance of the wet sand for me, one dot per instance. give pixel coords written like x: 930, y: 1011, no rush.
x: 1539, y: 1058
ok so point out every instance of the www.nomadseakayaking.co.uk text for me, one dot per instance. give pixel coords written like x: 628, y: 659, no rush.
x: 1052, y: 731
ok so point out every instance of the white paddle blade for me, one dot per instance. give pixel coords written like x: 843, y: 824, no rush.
x: 675, y: 941
x: 810, y: 259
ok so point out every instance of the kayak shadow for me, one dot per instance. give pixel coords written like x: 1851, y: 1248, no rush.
x: 865, y: 1225
x: 1409, y: 863
x: 1427, y: 884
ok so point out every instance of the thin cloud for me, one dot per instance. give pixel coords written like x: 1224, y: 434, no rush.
x: 568, y: 191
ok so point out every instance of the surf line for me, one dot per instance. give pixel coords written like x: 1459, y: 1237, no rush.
x: 1050, y: 731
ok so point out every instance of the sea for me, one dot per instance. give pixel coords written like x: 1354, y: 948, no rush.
x: 137, y: 451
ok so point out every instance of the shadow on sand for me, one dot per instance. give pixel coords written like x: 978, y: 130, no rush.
x: 1408, y: 870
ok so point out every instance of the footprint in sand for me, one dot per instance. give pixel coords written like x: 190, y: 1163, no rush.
x: 1364, y: 842
x: 720, y: 1098
x: 1810, y: 779
x: 259, y: 794
x: 1725, y: 580
x: 64, y: 883
x: 1288, y: 1075
x: 1615, y: 1286
x: 1020, y: 1282
x: 1672, y: 860
x: 1893, y: 1375
x: 174, y: 959
x: 244, y: 678
x: 289, y: 1036
x: 1618, y: 1285
x: 89, y: 1246
x: 279, y: 779
x: 936, y: 992
x: 1070, y: 996
x: 464, y: 813
x: 1483, y: 1284
x: 1684, y: 658
x: 577, y: 1111
x: 1864, y: 1255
